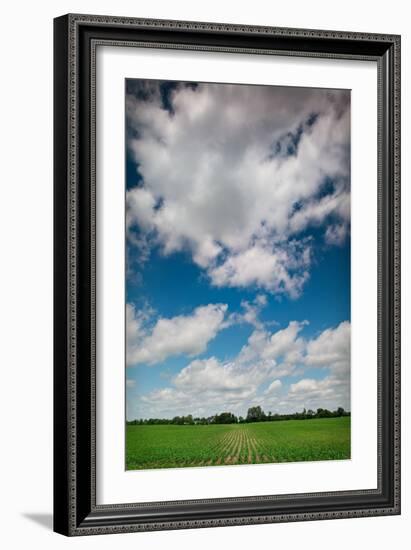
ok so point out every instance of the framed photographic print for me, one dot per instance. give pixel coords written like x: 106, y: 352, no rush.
x: 227, y: 277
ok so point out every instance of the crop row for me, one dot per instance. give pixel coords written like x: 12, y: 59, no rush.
x: 289, y: 441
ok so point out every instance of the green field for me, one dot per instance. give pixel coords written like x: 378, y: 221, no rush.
x: 170, y: 446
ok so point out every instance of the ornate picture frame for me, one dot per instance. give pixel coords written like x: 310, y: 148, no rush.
x: 76, y: 40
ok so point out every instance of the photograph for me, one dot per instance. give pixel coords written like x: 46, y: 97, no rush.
x: 238, y: 270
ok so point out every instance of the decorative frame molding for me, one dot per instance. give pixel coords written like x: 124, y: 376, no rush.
x: 76, y: 40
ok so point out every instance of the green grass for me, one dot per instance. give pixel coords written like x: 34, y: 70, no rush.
x: 169, y: 446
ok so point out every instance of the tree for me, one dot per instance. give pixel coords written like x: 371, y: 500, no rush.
x: 324, y: 413
x: 255, y: 414
x: 225, y: 418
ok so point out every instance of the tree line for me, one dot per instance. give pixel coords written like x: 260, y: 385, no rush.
x: 254, y: 414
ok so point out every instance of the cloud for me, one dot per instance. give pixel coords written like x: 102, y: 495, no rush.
x: 284, y: 341
x: 274, y: 387
x: 336, y: 234
x: 277, y: 272
x: 234, y: 174
x: 306, y: 385
x: 329, y: 392
x: 170, y: 402
x: 212, y: 375
x: 331, y: 349
x: 285, y: 344
x: 183, y: 334
x: 250, y: 313
x: 259, y: 375
x: 212, y: 385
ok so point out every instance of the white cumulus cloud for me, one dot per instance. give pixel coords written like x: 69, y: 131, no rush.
x: 233, y: 174
x: 256, y: 376
x: 332, y: 349
x: 212, y: 375
x: 274, y: 387
x: 274, y: 271
x: 183, y: 334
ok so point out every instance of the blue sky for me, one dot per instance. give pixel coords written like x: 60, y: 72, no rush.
x: 238, y: 248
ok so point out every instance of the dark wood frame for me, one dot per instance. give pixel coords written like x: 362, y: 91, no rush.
x: 76, y: 38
